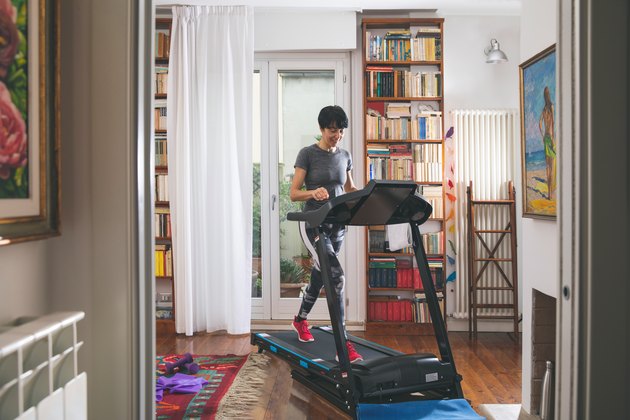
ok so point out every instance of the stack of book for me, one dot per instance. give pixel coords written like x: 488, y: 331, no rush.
x: 161, y: 187
x: 162, y: 222
x: 420, y: 308
x: 163, y: 261
x: 398, y: 45
x: 160, y: 150
x: 161, y: 80
x: 399, y: 126
x: 376, y: 240
x: 395, y: 45
x: 433, y: 195
x: 427, y: 45
x: 160, y: 118
x: 162, y: 43
x: 427, y: 161
x: 382, y: 272
x: 390, y: 308
x: 385, y: 82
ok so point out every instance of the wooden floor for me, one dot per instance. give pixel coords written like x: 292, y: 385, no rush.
x: 490, y: 366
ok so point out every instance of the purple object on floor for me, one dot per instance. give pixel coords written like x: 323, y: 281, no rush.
x: 178, y: 383
x: 192, y: 368
x: 187, y: 358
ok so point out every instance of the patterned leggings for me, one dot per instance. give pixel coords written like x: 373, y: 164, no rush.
x: 335, y: 235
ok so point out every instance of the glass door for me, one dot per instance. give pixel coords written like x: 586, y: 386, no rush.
x: 297, y: 90
x: 261, y: 302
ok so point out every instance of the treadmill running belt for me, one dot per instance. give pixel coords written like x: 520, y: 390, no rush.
x: 324, y: 346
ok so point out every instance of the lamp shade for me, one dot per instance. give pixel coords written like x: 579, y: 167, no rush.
x: 494, y: 54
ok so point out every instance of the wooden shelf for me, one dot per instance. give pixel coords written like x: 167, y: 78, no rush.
x: 160, y: 96
x: 164, y: 277
x: 161, y: 169
x: 162, y: 204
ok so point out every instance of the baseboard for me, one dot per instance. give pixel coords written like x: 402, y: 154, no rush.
x: 483, y: 325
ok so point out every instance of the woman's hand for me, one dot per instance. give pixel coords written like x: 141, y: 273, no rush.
x: 320, y: 194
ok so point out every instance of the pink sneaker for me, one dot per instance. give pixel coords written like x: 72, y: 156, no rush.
x: 352, y: 353
x: 301, y: 328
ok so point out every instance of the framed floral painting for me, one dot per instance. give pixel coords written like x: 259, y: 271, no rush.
x: 29, y: 120
x: 539, y: 134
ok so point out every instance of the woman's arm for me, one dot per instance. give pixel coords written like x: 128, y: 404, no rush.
x: 297, y: 194
x: 349, y: 185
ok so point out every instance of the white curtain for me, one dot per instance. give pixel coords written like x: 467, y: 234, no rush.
x: 210, y: 166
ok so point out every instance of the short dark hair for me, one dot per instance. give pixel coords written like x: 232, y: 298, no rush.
x: 332, y: 114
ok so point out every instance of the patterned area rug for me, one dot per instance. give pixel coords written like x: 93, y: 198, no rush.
x: 231, y: 392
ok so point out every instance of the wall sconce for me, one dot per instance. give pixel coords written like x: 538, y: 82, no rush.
x: 493, y: 54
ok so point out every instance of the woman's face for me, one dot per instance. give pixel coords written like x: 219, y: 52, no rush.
x: 332, y: 136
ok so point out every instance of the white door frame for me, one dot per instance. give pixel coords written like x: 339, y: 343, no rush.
x: 271, y: 306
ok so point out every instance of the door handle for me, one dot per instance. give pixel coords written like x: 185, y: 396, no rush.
x: 273, y: 202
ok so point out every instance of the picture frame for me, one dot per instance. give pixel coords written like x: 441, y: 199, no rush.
x: 30, y: 149
x: 539, y: 153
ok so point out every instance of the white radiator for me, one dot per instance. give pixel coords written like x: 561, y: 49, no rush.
x: 484, y: 143
x: 39, y: 376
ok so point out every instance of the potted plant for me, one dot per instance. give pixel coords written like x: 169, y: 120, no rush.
x: 293, y: 278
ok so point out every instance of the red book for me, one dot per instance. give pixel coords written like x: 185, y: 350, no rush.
x: 397, y: 311
x: 407, y: 310
x: 383, y: 311
x: 371, y: 311
x: 378, y: 107
x: 417, y: 282
x: 390, y: 311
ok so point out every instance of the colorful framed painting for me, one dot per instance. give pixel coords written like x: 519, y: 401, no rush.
x: 29, y: 120
x: 539, y: 153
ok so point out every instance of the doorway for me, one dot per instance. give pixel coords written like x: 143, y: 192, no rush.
x: 289, y: 91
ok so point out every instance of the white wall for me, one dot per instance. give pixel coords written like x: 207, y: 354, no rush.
x: 539, y: 238
x: 24, y: 282
x: 303, y: 30
x: 471, y: 83
x: 88, y: 267
x: 90, y: 264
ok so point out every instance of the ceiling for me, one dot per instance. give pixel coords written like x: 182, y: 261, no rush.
x: 444, y: 7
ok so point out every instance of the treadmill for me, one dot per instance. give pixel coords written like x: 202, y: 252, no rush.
x: 385, y: 377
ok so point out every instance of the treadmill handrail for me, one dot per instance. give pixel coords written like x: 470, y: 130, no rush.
x: 395, y: 202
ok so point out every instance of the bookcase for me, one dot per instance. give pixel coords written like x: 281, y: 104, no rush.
x: 165, y: 285
x: 404, y: 140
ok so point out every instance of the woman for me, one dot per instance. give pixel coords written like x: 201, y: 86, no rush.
x: 324, y: 168
x: 546, y: 127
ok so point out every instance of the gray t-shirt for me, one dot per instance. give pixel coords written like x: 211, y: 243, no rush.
x: 324, y: 169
